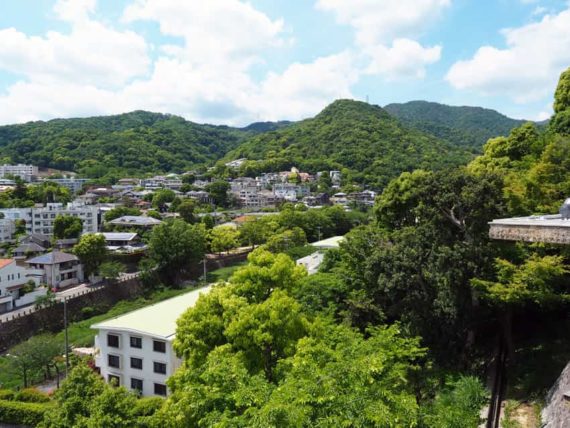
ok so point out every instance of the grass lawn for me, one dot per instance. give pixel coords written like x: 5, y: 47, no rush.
x: 81, y: 334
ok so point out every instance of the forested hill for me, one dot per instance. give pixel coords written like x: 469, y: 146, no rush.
x: 114, y: 146
x: 469, y: 127
x: 370, y: 144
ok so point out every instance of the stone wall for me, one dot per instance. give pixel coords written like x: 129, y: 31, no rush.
x: 547, y: 234
x: 556, y: 412
x: 50, y: 319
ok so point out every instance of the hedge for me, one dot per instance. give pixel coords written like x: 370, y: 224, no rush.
x: 32, y: 395
x: 7, y: 394
x: 20, y: 413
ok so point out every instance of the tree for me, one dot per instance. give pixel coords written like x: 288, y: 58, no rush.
x: 161, y: 198
x: 532, y: 281
x: 175, y: 246
x: 37, y: 354
x: 186, y: 210
x: 218, y: 191
x: 223, y: 238
x: 120, y: 212
x: 75, y: 398
x: 92, y: 251
x: 67, y: 226
x: 111, y: 270
x: 114, y: 408
x: 253, y: 232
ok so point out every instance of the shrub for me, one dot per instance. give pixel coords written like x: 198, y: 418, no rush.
x: 32, y: 395
x: 18, y: 413
x: 6, y: 394
x: 147, y: 406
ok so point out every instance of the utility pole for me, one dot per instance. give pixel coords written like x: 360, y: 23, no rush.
x: 205, y: 270
x: 66, y: 336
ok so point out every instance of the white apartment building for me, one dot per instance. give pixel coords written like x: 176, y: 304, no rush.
x: 25, y: 172
x: 75, y: 185
x: 135, y: 350
x: 12, y: 279
x: 40, y: 220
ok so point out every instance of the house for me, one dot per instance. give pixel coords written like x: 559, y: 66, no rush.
x: 58, y: 269
x: 27, y: 250
x: 123, y: 242
x: 36, y: 238
x: 135, y: 350
x: 312, y: 262
x: 66, y: 244
x: 328, y: 243
x: 13, y: 281
x: 135, y: 221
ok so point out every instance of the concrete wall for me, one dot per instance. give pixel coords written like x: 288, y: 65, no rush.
x: 547, y: 234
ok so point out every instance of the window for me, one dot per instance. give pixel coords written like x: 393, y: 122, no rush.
x: 159, y: 389
x: 114, y: 380
x: 113, y: 361
x: 159, y: 346
x: 113, y: 340
x: 136, y: 384
x: 136, y: 342
x: 159, y: 368
x: 136, y: 363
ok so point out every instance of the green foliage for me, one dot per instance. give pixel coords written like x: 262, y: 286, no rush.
x: 175, y: 246
x: 120, y: 212
x: 25, y: 414
x: 67, y: 227
x: 161, y: 197
x: 92, y: 251
x: 111, y: 270
x: 468, y: 127
x: 218, y: 191
x: 110, y: 147
x: 223, y: 238
x: 458, y: 405
x: 31, y: 395
x: 7, y: 394
x: 370, y: 145
x: 186, y: 210
x: 562, y: 94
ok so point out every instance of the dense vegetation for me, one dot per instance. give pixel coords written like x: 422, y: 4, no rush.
x: 132, y: 143
x: 469, y: 127
x: 362, y: 140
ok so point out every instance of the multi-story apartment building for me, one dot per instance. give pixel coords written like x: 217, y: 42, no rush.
x: 25, y: 172
x: 135, y: 350
x: 40, y: 220
x: 7, y: 230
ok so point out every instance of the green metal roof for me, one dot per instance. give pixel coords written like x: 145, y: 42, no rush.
x: 155, y: 320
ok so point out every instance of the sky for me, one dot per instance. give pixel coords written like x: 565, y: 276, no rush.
x: 235, y: 62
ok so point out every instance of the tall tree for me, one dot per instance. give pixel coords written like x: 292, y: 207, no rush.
x: 92, y: 251
x: 67, y: 226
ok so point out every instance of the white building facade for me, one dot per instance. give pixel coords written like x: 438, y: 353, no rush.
x: 13, y: 278
x: 25, y: 172
x: 135, y: 350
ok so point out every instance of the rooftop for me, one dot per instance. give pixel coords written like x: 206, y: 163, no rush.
x: 157, y: 320
x: 54, y: 257
x: 119, y: 236
x: 332, y: 242
x: 554, y: 220
x: 135, y: 220
x: 5, y: 262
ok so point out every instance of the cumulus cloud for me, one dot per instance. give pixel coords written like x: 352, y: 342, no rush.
x: 405, y: 58
x: 383, y: 31
x: 91, y: 53
x: 527, y: 69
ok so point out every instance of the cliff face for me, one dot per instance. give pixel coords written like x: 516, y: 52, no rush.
x: 556, y: 413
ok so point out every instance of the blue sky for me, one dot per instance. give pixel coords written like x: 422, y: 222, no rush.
x: 234, y: 62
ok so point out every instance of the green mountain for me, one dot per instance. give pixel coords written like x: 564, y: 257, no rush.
x: 363, y: 140
x: 469, y: 127
x: 120, y: 145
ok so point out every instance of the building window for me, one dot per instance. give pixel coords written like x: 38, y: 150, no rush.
x: 159, y: 346
x: 159, y: 368
x: 113, y: 340
x: 114, y: 380
x: 113, y: 361
x: 160, y: 389
x: 136, y: 384
x: 136, y: 342
x: 136, y: 363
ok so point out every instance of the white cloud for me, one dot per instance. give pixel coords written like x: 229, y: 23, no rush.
x: 527, y: 69
x: 303, y: 89
x: 91, y: 53
x: 378, y: 21
x: 383, y: 31
x: 404, y: 59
